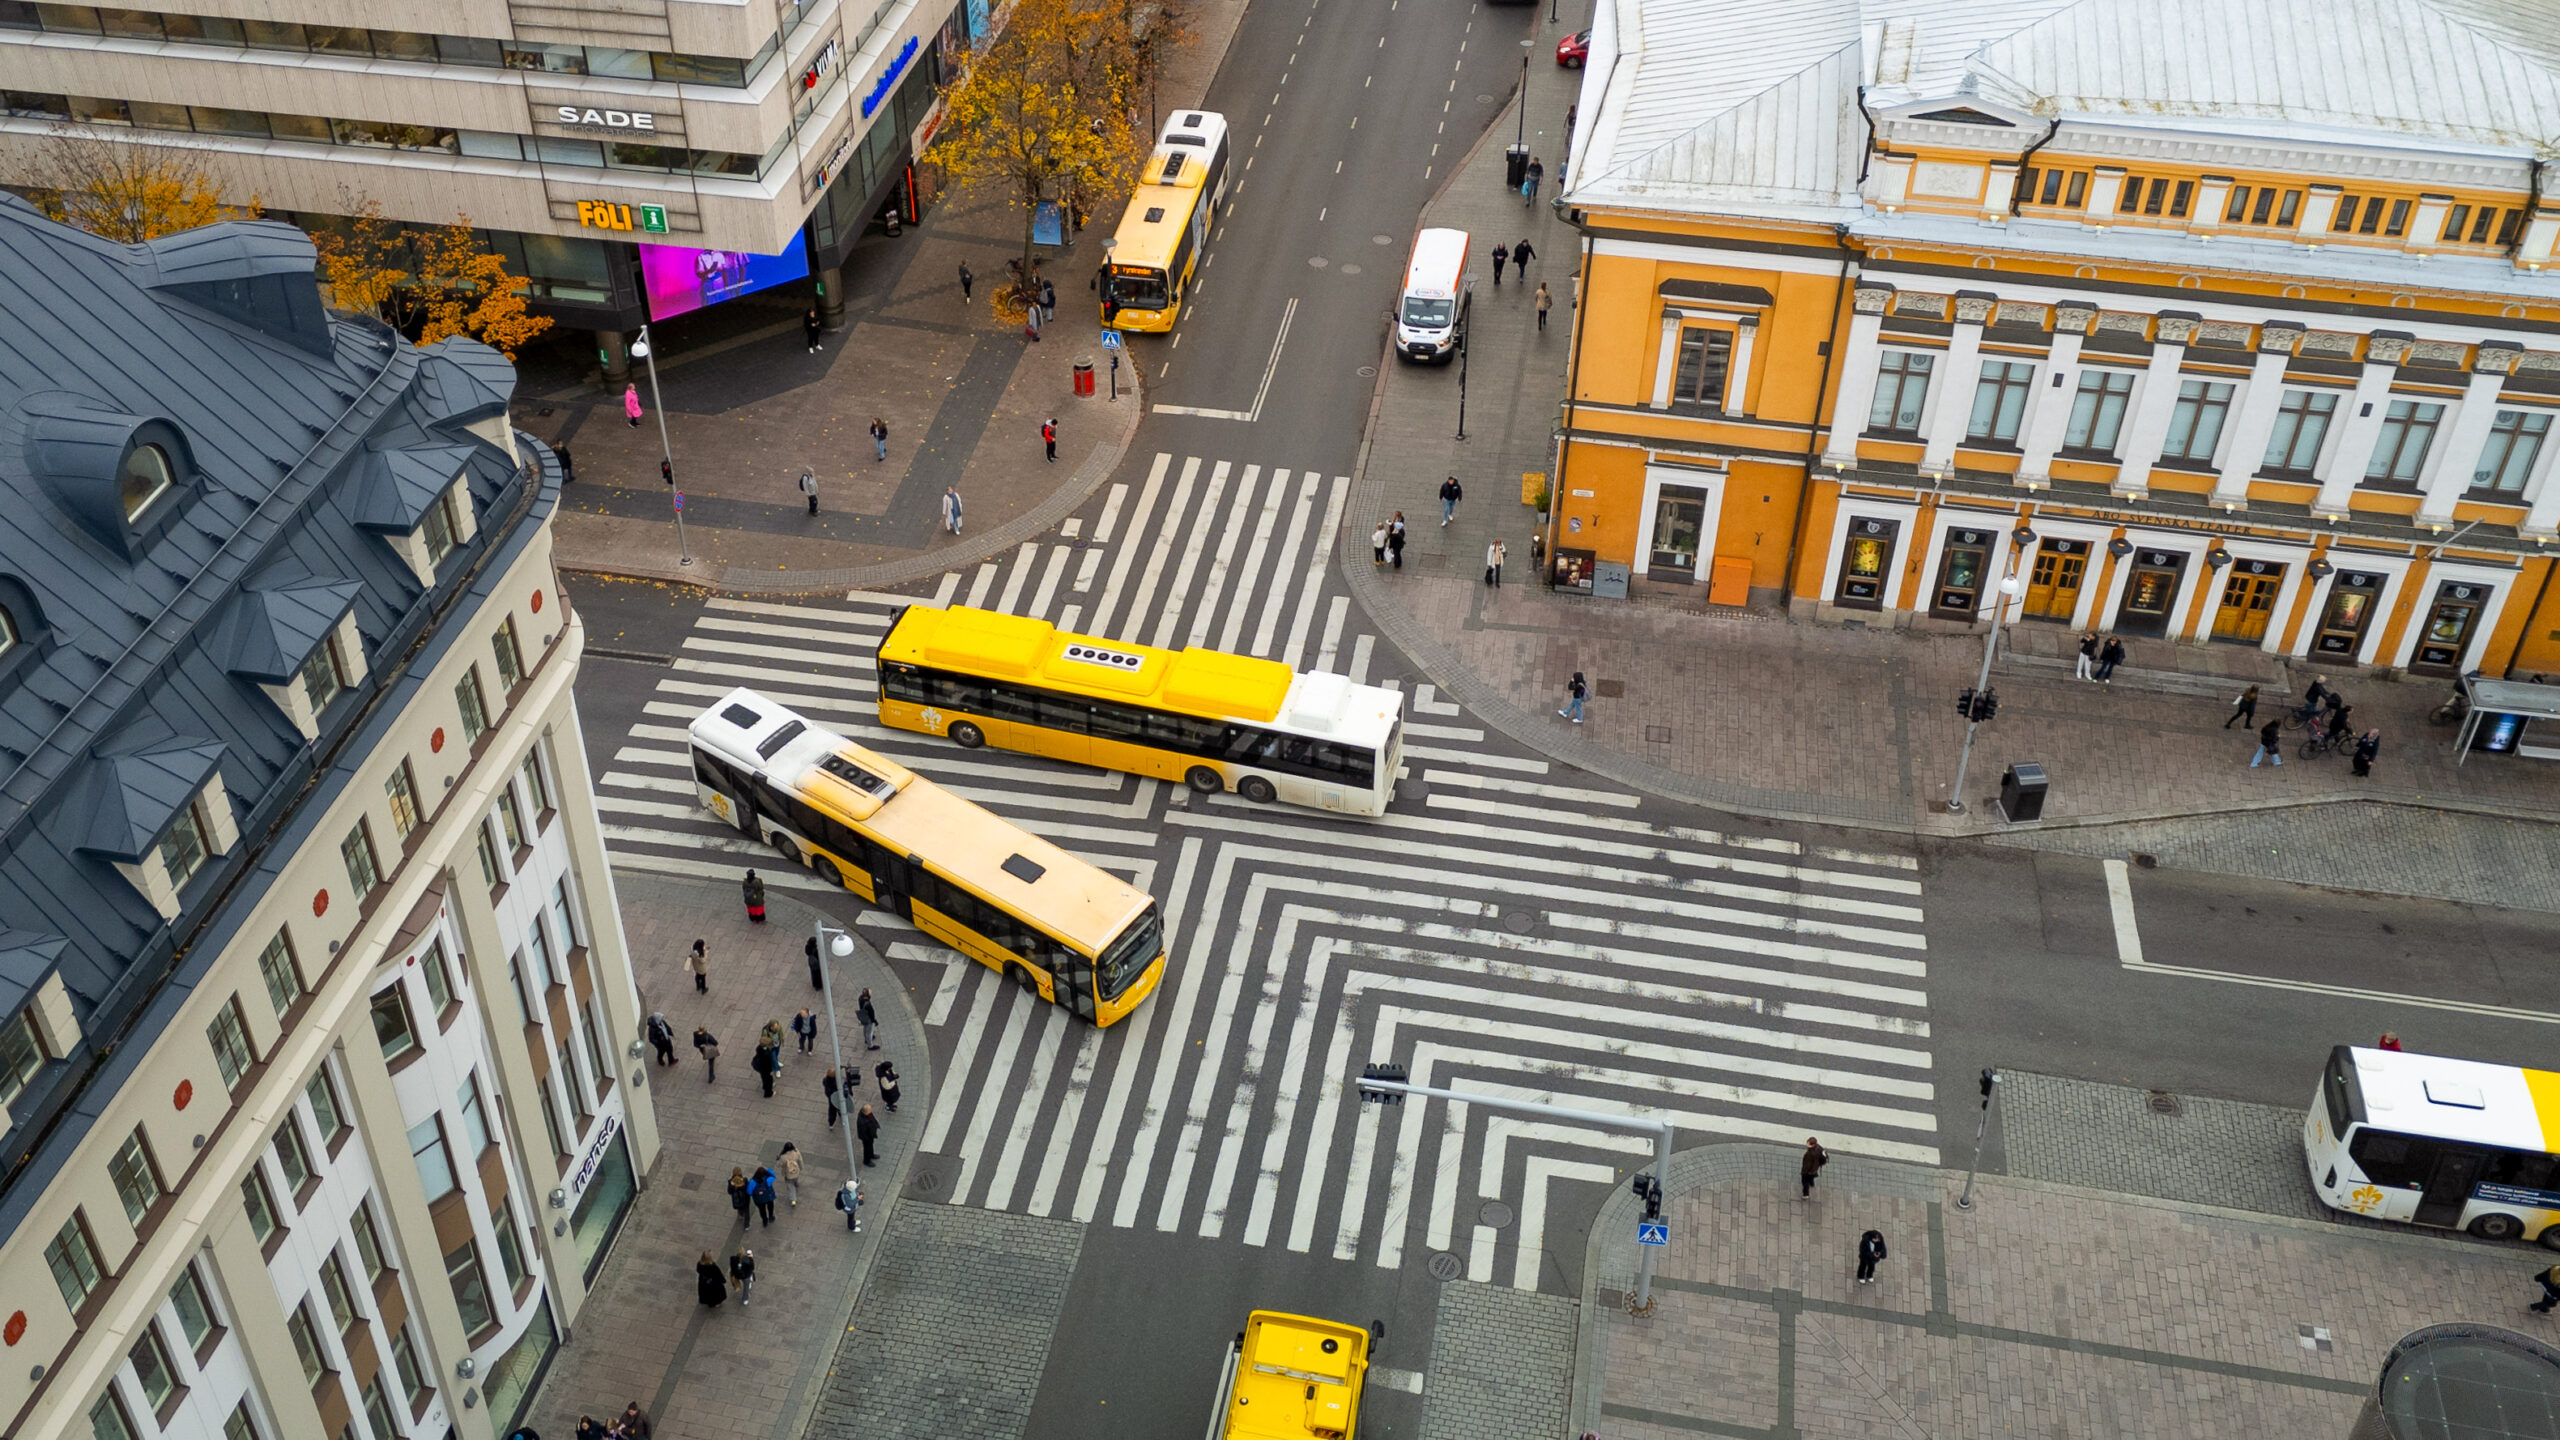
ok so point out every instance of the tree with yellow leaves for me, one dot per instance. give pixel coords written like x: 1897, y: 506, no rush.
x: 121, y: 191
x: 428, y: 280
x: 1048, y: 111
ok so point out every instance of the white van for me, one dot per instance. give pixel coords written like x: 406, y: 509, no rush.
x: 1427, y: 311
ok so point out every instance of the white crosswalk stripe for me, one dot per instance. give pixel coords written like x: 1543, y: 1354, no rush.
x: 1510, y: 928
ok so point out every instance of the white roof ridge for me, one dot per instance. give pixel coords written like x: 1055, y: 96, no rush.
x: 1737, y: 107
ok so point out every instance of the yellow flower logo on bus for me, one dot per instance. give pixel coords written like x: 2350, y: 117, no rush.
x: 2364, y: 1199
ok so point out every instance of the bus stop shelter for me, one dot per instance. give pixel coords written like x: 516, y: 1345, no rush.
x: 2501, y: 720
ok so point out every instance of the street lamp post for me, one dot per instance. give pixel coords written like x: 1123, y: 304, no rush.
x: 2010, y: 589
x: 1466, y: 321
x: 834, y: 942
x: 1525, y: 47
x: 666, y: 451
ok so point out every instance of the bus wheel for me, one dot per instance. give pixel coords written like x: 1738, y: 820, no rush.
x: 782, y: 846
x: 831, y: 872
x: 1257, y: 790
x: 1204, y: 780
x: 2496, y: 1226
x: 2550, y: 1238
x: 1021, y: 976
x: 967, y: 736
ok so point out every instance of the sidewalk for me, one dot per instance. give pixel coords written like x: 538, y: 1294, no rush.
x: 740, y: 1372
x: 2046, y: 1311
x: 1753, y: 712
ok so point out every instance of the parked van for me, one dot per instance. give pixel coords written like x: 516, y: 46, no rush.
x: 1434, y: 281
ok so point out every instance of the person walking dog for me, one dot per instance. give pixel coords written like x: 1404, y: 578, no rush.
x: 2244, y: 708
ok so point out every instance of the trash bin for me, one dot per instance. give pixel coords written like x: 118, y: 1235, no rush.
x: 1084, y: 377
x: 2022, y: 792
x: 1515, y: 165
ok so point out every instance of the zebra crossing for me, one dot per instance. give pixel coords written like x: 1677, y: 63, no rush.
x: 1509, y: 929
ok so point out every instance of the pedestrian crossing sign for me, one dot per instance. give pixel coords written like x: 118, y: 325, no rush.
x: 1653, y: 1232
x: 1110, y: 339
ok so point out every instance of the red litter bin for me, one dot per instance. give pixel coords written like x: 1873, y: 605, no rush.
x: 1084, y: 377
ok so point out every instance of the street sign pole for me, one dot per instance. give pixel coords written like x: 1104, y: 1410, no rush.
x: 666, y: 449
x: 1981, y: 1127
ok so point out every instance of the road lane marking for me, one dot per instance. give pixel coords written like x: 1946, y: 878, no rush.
x: 2120, y: 905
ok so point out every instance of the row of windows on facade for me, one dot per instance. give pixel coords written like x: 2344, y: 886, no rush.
x: 186, y: 847
x: 2276, y: 207
x: 385, y: 135
x: 2196, y: 422
x: 363, y: 44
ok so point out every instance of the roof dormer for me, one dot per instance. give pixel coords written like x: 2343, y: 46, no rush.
x: 122, y: 477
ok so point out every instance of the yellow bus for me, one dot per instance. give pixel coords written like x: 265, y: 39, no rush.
x: 970, y: 879
x: 1158, y: 245
x: 1212, y: 720
x: 1290, y: 1377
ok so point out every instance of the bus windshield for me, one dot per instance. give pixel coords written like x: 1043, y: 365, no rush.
x: 1424, y: 314
x: 1135, y: 289
x: 1128, y: 957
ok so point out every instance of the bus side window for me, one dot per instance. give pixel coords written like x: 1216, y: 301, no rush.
x: 1251, y: 746
x: 1061, y: 712
x: 1010, y: 702
x: 1118, y: 722
x: 1188, y: 734
x: 961, y: 692
x: 903, y: 682
x: 2525, y: 1169
x: 2390, y: 1159
x: 1359, y: 767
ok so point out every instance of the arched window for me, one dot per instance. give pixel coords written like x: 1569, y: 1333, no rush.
x: 146, y: 477
x: 8, y: 632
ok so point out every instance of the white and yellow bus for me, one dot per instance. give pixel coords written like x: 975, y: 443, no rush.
x: 1212, y: 720
x: 1292, y: 1377
x: 974, y: 881
x: 2433, y: 1141
x: 1167, y: 226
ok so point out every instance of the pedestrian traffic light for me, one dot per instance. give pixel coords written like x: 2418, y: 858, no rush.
x: 1649, y: 1190
x: 1393, y: 1074
x: 1989, y: 1079
x: 1985, y: 705
x: 1964, y: 702
x: 667, y: 471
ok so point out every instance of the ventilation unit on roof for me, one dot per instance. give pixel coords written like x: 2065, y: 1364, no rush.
x: 1191, y: 121
x: 1154, y: 214
x: 1024, y: 869
x: 2456, y: 1094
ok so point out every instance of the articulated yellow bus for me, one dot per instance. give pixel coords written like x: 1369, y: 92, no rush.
x: 1167, y: 225
x: 1289, y: 1377
x: 970, y: 879
x: 1212, y: 720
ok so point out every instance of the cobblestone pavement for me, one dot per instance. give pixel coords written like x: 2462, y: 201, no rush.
x: 953, y: 1329
x: 1501, y: 1364
x: 738, y: 1372
x: 2048, y: 1311
x: 2110, y: 1137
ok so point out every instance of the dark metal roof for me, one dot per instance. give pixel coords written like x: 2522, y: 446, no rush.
x: 143, y: 678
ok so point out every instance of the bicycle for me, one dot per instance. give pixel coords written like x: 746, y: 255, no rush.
x: 2304, y: 714
x: 2327, y: 742
x: 2458, y: 705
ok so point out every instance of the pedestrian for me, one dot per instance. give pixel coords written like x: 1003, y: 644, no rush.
x: 2087, y: 669
x: 866, y: 1128
x: 767, y: 1064
x: 568, y: 465
x: 1521, y: 255
x: 1815, y: 1157
x: 742, y: 1268
x: 1578, y: 692
x: 817, y: 977
x: 1543, y: 303
x: 697, y: 963
x: 1049, y: 437
x: 1501, y: 257
x: 2367, y: 746
x: 738, y: 1193
x: 1395, y: 540
x: 849, y: 1200
x: 760, y: 1190
x: 887, y: 1075
x: 635, y: 1422
x: 662, y: 1037
x: 809, y: 488
x: 2108, y: 659
x: 1870, y: 1250
x: 951, y: 508
x: 708, y: 1047
x: 2550, y: 1290
x: 2245, y: 707
x: 812, y: 327
x: 1048, y: 301
x: 1031, y: 321
x: 709, y: 1285
x: 589, y: 1428
x: 753, y: 890
x: 870, y: 1019
x: 828, y: 1084
x: 805, y: 1025
x: 2318, y: 692
x: 1493, y: 564
x: 2389, y: 1041
x: 966, y: 280
x: 1451, y: 492
x: 790, y: 1163
x: 2268, y: 745
x: 631, y: 405
x: 1378, y: 544
x: 1537, y: 177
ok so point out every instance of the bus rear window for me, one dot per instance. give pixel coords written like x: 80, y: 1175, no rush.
x: 774, y: 742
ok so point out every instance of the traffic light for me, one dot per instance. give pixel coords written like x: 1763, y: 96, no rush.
x: 1989, y: 1079
x: 1977, y: 705
x: 1964, y: 702
x: 1649, y: 1190
x: 667, y: 471
x: 1393, y: 1074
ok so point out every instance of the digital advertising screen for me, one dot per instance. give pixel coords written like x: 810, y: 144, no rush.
x: 681, y: 280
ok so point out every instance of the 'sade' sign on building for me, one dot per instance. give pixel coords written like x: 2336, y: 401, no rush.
x: 590, y: 118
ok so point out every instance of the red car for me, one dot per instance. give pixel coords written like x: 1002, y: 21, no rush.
x: 1572, y: 50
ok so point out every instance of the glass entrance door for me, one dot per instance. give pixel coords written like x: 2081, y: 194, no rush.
x: 2248, y: 601
x: 2053, y: 584
x: 2449, y: 625
x: 1864, y: 558
x: 1679, y: 517
x: 2352, y: 597
x: 1963, y: 570
x: 2150, y: 592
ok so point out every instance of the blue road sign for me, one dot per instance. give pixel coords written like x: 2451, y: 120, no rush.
x: 1110, y: 339
x: 1653, y: 1232
x: 679, y: 499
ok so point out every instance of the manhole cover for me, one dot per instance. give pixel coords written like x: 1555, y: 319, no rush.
x: 929, y: 1177
x: 1495, y: 1214
x: 1318, y: 261
x: 1368, y: 372
x: 1445, y: 1267
x: 1520, y: 922
x: 2161, y: 1102
x: 1484, y: 99
x: 1382, y: 239
x: 690, y: 1182
x: 1350, y: 269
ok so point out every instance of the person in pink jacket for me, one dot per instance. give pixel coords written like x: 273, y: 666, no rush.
x: 631, y: 404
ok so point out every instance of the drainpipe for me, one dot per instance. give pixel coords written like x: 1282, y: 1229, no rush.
x: 1867, y: 153
x: 2018, y: 196
x: 2533, y: 202
x: 1813, y: 431
x: 1546, y: 558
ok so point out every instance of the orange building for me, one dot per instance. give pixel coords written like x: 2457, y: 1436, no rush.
x: 2217, y: 323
